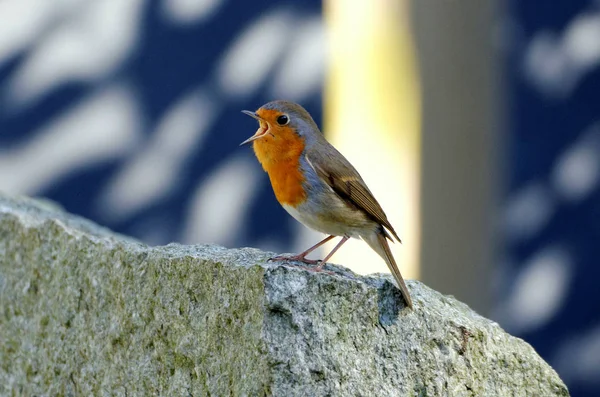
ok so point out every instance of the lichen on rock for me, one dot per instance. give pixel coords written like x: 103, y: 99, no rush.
x: 84, y: 311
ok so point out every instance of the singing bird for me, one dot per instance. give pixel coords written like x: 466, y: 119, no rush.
x: 318, y: 186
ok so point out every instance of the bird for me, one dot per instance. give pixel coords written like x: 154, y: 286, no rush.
x: 318, y: 186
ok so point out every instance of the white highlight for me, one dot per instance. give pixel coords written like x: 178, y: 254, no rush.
x: 540, y: 290
x: 556, y: 64
x: 190, y: 11
x: 578, y: 359
x: 154, y: 173
x: 545, y: 65
x: 94, y: 41
x: 577, y: 171
x: 24, y: 21
x: 528, y: 211
x: 250, y: 59
x: 97, y: 130
x: 581, y: 41
x: 216, y: 211
x: 302, y: 71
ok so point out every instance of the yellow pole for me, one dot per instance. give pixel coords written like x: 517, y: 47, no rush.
x: 372, y: 115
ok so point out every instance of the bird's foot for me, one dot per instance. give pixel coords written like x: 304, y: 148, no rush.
x: 299, y: 258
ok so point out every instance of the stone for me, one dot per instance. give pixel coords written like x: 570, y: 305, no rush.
x: 84, y: 311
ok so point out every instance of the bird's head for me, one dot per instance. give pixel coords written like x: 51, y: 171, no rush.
x: 282, y: 123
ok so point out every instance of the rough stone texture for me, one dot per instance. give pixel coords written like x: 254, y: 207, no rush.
x: 84, y: 311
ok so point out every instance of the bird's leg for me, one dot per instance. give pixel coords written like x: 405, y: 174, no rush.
x: 302, y: 256
x: 337, y: 247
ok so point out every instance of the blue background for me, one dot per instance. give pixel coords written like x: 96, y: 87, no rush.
x: 179, y: 70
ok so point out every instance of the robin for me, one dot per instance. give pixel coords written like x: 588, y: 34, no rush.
x: 317, y: 185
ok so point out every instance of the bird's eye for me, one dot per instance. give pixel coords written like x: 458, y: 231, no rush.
x: 283, y: 119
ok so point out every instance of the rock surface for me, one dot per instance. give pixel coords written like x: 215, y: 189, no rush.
x: 84, y: 311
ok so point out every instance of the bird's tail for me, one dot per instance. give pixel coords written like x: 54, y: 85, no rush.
x: 380, y: 245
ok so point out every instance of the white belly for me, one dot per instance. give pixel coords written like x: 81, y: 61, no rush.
x: 335, y: 227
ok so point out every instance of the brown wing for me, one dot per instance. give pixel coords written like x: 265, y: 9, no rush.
x: 343, y: 178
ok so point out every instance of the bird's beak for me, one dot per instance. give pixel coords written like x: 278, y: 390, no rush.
x: 251, y: 114
x: 262, y: 130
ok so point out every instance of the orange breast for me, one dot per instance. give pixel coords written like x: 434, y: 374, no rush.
x: 280, y: 158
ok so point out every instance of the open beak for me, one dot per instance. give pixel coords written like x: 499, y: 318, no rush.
x: 262, y: 130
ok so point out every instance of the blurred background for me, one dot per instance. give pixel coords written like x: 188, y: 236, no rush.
x: 476, y: 124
